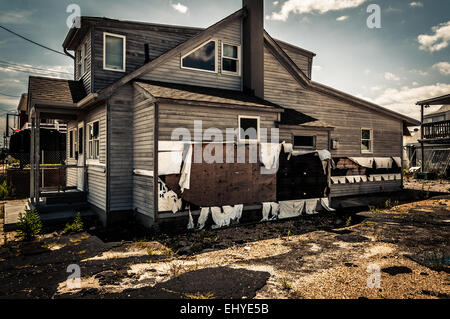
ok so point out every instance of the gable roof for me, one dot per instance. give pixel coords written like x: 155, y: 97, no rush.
x: 55, y: 90
x: 170, y: 92
x: 444, y: 99
x: 442, y: 109
x: 305, y: 82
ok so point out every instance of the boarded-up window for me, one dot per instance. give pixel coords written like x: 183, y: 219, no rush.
x: 305, y: 141
x: 203, y: 58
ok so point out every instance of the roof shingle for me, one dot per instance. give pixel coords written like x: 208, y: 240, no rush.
x: 55, y: 90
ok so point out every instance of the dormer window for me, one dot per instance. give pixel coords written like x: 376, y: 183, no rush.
x: 202, y: 58
x: 231, y: 55
x: 114, y: 52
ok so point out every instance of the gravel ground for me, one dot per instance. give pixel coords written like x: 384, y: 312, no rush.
x: 406, y: 247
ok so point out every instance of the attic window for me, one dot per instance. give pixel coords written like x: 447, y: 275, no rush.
x: 231, y: 58
x: 114, y: 52
x: 202, y: 58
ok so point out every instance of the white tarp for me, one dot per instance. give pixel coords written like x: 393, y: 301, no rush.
x: 341, y: 179
x: 185, y: 178
x: 270, y: 211
x: 350, y: 179
x: 270, y: 154
x: 204, y: 213
x: 383, y: 162
x: 311, y: 206
x: 325, y: 202
x: 376, y: 178
x: 292, y: 208
x: 191, y: 221
x: 171, y: 146
x: 363, y: 178
x: 168, y: 200
x: 335, y: 180
x: 223, y: 217
x: 398, y: 161
x: 169, y: 163
x: 275, y: 210
x: 363, y: 161
x: 266, y: 211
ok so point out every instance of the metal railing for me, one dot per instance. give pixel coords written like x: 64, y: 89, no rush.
x: 436, y: 130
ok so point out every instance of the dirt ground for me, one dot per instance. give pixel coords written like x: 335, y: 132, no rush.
x: 398, y: 251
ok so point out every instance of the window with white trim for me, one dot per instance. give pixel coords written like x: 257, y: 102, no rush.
x: 93, y: 140
x: 366, y: 140
x: 249, y: 128
x: 231, y: 55
x: 203, y: 58
x: 114, y: 52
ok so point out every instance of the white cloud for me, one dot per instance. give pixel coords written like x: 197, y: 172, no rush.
x: 404, y: 100
x: 275, y: 3
x: 15, y: 17
x: 376, y: 88
x: 342, y: 18
x: 443, y: 67
x: 391, y: 76
x: 438, y: 40
x: 416, y: 4
x: 415, y: 83
x: 180, y: 8
x: 309, y: 6
x: 419, y: 72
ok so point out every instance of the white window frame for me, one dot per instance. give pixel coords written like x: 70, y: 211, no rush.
x: 258, y: 130
x: 72, y: 143
x: 124, y: 51
x: 84, y: 59
x: 370, y: 151
x: 239, y: 59
x: 90, y: 158
x: 216, y: 66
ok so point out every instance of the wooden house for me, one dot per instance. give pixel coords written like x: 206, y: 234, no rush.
x: 142, y: 81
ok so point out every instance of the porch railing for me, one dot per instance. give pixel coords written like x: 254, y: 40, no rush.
x: 436, y: 130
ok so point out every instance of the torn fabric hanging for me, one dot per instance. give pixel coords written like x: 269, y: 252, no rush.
x: 266, y: 211
x: 311, y: 206
x: 168, y: 200
x: 270, y: 154
x: 223, y: 217
x: 383, y: 162
x: 204, y: 213
x: 363, y: 161
x: 292, y: 208
x: 398, y: 161
x: 186, y: 171
x: 169, y: 163
x: 325, y: 202
x: 191, y: 221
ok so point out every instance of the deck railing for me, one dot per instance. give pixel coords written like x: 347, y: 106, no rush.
x: 436, y: 130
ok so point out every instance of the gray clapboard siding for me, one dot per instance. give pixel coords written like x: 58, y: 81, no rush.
x: 97, y: 178
x: 171, y: 70
x: 87, y: 76
x: 158, y: 41
x: 281, y: 88
x: 302, y: 61
x: 143, y: 153
x: 322, y: 142
x: 173, y: 116
x: 121, y: 149
x: 339, y: 190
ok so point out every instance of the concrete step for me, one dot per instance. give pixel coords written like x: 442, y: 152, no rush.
x: 68, y: 197
x: 54, y: 208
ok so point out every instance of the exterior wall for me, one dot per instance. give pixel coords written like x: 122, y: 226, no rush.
x: 341, y: 190
x: 87, y: 76
x: 281, y: 88
x: 97, y: 172
x: 322, y: 142
x: 121, y: 149
x: 304, y: 62
x: 171, y: 70
x: 173, y: 116
x: 143, y: 156
x: 71, y: 173
x: 159, y: 41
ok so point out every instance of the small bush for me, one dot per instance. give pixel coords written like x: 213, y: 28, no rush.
x: 76, y: 227
x: 29, y: 225
x: 285, y: 284
x: 6, y: 191
x: 348, y: 223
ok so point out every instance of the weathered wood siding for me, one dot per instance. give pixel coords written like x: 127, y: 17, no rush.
x: 87, y: 76
x: 159, y: 41
x: 143, y: 153
x: 71, y: 173
x: 97, y: 173
x: 281, y: 88
x: 339, y: 190
x: 121, y: 149
x: 304, y: 62
x: 173, y: 116
x: 171, y: 70
x: 287, y: 134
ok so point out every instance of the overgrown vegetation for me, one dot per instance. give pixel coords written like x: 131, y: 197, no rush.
x: 285, y: 284
x: 200, y: 296
x: 6, y: 191
x: 29, y: 225
x: 76, y: 227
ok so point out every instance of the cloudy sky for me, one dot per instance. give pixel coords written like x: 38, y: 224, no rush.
x: 406, y: 60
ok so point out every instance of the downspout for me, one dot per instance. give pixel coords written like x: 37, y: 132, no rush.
x: 68, y: 54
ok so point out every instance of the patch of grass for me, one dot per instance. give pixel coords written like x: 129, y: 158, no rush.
x: 29, y: 225
x: 200, y: 296
x: 285, y: 284
x: 348, y: 223
x: 76, y: 227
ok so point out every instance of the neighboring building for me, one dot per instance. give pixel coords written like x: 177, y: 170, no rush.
x: 137, y: 82
x: 433, y: 147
